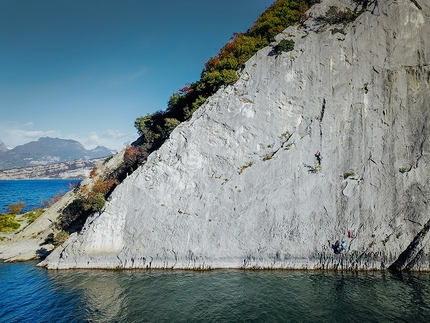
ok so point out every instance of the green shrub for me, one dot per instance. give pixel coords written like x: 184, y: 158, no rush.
x: 97, y: 203
x: 147, y: 127
x: 171, y: 124
x: 60, y: 238
x: 335, y: 16
x: 285, y: 45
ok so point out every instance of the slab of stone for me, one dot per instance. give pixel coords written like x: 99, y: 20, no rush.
x: 239, y: 185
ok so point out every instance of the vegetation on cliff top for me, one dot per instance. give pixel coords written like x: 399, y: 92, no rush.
x: 222, y: 69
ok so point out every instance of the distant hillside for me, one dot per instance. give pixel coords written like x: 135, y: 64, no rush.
x: 48, y: 151
x: 76, y: 169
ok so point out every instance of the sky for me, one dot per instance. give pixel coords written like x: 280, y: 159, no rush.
x: 86, y: 69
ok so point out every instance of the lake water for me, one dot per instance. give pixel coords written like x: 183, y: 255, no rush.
x: 32, y: 294
x: 31, y: 192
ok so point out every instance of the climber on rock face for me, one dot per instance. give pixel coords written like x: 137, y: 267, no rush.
x: 336, y: 247
x: 319, y: 157
x: 342, y: 246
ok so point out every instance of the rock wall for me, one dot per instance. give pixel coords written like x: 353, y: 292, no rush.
x: 239, y: 185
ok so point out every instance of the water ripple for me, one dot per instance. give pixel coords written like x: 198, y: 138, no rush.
x: 31, y: 294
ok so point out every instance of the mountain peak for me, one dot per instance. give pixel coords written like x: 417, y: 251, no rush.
x: 47, y: 150
x: 3, y: 148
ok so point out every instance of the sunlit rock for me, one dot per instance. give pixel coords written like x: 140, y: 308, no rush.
x: 240, y: 186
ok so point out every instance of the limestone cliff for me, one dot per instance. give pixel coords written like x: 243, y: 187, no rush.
x: 239, y: 185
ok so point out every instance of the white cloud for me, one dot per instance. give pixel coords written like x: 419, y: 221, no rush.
x: 112, y: 139
x: 92, y: 141
x: 35, y: 134
x: 16, y: 134
x: 117, y: 134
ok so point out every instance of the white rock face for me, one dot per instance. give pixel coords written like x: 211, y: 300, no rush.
x: 239, y: 186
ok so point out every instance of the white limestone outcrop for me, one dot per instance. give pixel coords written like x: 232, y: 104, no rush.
x: 239, y: 186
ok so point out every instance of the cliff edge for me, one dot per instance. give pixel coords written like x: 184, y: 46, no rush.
x: 241, y: 185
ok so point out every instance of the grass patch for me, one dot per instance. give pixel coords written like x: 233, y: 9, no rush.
x: 268, y: 157
x: 33, y: 215
x: 405, y: 169
x: 348, y: 174
x: 8, y: 223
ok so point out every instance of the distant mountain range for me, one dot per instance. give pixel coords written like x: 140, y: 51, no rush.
x: 2, y: 147
x: 47, y: 151
x: 75, y: 169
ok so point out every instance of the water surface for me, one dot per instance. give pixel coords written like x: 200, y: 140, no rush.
x: 31, y: 294
x: 31, y: 192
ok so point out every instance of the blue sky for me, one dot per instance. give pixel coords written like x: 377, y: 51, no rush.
x: 85, y: 70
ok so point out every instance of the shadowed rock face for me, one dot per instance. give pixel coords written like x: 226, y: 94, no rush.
x: 239, y: 185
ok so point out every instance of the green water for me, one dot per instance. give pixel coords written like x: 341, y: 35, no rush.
x: 31, y: 294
